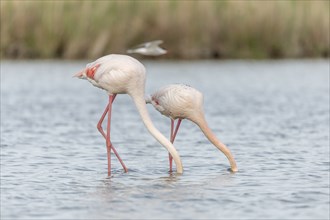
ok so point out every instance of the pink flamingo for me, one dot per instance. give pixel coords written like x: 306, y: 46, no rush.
x: 184, y: 102
x: 122, y: 74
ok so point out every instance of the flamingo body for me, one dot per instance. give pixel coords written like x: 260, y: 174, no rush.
x: 118, y: 74
x: 178, y: 101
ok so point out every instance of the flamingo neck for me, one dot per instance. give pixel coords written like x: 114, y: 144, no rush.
x: 201, y: 122
x: 142, y: 109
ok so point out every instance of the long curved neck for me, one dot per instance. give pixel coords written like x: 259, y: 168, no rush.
x: 142, y: 108
x: 201, y: 122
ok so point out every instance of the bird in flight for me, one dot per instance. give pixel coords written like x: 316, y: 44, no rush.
x: 122, y: 74
x: 151, y: 48
x: 178, y: 101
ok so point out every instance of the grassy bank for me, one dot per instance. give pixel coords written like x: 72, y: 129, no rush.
x: 190, y: 29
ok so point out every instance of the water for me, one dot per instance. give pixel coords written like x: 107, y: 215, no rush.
x: 273, y: 115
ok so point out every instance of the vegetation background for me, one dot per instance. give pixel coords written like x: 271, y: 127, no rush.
x: 190, y: 29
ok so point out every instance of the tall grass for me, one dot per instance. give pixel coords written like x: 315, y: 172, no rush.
x: 190, y: 29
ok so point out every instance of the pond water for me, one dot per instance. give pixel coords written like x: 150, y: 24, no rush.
x: 273, y: 115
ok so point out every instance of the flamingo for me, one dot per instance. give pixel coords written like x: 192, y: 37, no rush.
x: 122, y: 74
x: 149, y: 48
x: 178, y: 101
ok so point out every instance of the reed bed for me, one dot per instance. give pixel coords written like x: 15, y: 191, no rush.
x: 190, y: 29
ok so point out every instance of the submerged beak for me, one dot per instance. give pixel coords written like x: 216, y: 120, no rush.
x: 79, y: 74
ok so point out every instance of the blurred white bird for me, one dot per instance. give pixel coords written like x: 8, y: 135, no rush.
x: 149, y: 48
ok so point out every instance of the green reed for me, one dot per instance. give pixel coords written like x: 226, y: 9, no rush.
x: 190, y: 29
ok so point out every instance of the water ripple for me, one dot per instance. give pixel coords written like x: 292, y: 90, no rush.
x: 274, y: 116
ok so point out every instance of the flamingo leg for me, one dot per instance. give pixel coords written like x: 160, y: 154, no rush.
x: 176, y: 129
x: 108, y: 143
x: 99, y: 127
x: 170, y: 159
x: 172, y: 138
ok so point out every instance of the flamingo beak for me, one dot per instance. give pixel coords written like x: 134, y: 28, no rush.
x: 80, y: 74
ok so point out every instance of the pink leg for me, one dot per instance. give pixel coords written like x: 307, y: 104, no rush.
x: 176, y: 130
x: 170, y: 159
x: 99, y: 127
x: 108, y: 135
x: 173, y: 135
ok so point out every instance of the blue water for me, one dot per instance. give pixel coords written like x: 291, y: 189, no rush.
x: 273, y: 115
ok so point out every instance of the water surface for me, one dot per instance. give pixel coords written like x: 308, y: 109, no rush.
x: 273, y: 115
